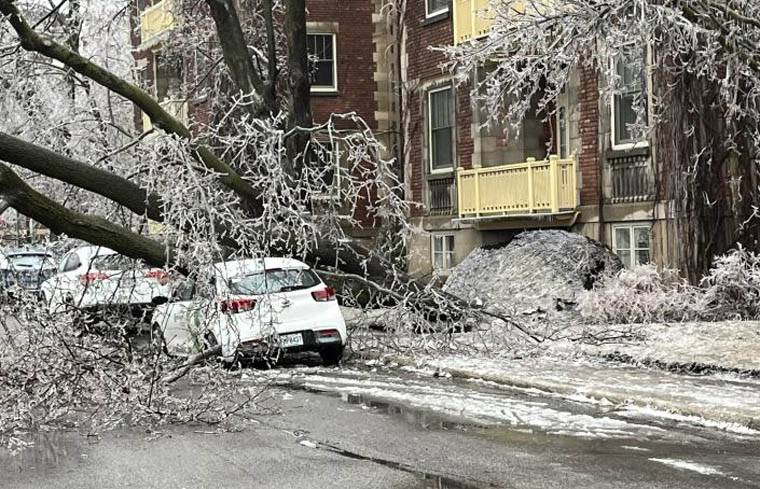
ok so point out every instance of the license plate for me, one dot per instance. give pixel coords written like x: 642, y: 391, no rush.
x: 288, y: 340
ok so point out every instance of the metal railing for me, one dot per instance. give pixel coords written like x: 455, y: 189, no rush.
x: 631, y: 179
x: 547, y: 186
x: 442, y: 195
x: 156, y: 19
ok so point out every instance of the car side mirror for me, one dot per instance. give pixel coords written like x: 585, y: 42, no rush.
x: 157, y: 301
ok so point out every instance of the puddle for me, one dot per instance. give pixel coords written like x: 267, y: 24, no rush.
x: 417, y: 417
x: 49, y: 451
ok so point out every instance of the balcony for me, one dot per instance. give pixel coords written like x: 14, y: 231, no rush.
x: 521, y: 189
x: 471, y: 19
x: 630, y: 179
x: 442, y: 195
x: 156, y: 20
x: 177, y: 108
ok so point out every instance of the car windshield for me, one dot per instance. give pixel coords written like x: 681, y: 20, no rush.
x: 30, y: 260
x: 277, y: 280
x: 116, y: 262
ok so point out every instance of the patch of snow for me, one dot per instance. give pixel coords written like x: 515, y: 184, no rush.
x: 687, y: 465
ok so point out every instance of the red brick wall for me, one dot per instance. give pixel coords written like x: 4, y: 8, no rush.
x: 588, y: 126
x: 356, y: 67
x: 424, y: 65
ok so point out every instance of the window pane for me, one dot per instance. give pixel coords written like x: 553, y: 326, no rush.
x: 622, y: 239
x: 624, y: 115
x: 436, y: 5
x: 323, y: 74
x: 450, y: 243
x: 440, y: 109
x: 625, y: 257
x: 442, y: 149
x: 320, y: 50
x: 642, y: 257
x: 641, y: 237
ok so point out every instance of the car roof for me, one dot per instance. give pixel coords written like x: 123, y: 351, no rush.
x: 235, y: 268
x: 90, y: 252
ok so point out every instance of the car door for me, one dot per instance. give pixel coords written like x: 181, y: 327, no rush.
x: 63, y: 287
x: 183, y: 318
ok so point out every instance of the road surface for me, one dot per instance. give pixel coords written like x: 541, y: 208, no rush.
x: 368, y: 428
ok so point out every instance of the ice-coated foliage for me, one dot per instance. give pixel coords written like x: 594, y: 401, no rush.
x: 731, y: 290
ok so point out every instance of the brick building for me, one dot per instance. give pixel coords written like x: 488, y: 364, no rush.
x: 479, y: 188
x: 475, y: 186
x: 351, y: 40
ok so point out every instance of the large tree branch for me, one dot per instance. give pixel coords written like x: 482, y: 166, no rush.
x: 102, y: 182
x: 31, y: 40
x: 235, y: 50
x: 93, y: 229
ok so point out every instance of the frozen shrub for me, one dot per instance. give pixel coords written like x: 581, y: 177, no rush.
x: 641, y: 294
x: 731, y: 290
x: 732, y: 287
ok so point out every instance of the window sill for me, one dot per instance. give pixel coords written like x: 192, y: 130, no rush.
x: 440, y: 174
x: 639, y: 150
x: 435, y: 18
x: 325, y: 93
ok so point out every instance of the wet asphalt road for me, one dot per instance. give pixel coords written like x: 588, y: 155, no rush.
x: 350, y: 428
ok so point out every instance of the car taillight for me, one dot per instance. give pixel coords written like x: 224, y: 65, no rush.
x: 324, y: 295
x: 329, y: 333
x: 91, y: 277
x: 159, y: 275
x: 237, y: 305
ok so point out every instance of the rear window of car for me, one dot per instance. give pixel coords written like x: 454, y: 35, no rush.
x: 30, y: 260
x: 271, y: 281
x: 117, y: 262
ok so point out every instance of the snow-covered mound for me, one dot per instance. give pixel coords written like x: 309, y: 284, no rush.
x: 537, y: 274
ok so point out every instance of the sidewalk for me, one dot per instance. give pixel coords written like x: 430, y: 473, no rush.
x: 723, y: 401
x: 728, y: 346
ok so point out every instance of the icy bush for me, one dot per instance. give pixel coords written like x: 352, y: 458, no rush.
x: 732, y: 287
x: 639, y: 295
x: 731, y: 290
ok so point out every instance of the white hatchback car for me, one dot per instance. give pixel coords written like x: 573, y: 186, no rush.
x: 97, y: 278
x: 253, y: 308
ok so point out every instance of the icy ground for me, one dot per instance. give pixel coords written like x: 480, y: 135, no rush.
x: 726, y: 401
x: 725, y: 345
x: 578, y: 413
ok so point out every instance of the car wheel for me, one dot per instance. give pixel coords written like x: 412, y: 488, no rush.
x: 331, y: 356
x: 210, y: 341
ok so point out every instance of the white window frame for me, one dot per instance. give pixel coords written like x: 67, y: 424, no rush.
x: 334, y: 86
x: 631, y: 239
x: 562, y: 106
x: 450, y: 253
x: 644, y: 142
x: 429, y: 123
x: 440, y: 11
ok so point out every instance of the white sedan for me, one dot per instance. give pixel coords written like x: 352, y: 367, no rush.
x: 254, y: 308
x: 96, y: 278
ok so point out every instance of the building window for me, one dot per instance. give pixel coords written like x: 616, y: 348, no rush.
x: 631, y: 245
x: 443, y: 252
x: 323, y: 69
x: 632, y: 87
x: 441, y: 128
x: 435, y: 7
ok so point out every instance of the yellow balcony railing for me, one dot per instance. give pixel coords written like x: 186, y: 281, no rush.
x: 546, y: 186
x: 471, y: 19
x: 157, y: 19
x: 177, y: 108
